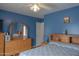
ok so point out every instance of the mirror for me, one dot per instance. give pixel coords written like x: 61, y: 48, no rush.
x: 16, y: 29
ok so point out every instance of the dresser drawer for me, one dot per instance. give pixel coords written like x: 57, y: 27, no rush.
x: 17, y: 45
x: 75, y: 40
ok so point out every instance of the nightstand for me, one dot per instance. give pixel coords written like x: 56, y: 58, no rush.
x: 42, y: 44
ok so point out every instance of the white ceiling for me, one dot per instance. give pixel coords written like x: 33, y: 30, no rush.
x: 22, y: 8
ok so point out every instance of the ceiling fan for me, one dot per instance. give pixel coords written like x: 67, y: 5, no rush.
x: 37, y: 6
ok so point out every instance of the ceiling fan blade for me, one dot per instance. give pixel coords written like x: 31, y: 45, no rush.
x: 28, y: 5
x: 45, y: 6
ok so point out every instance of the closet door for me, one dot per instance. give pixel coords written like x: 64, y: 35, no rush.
x: 39, y: 33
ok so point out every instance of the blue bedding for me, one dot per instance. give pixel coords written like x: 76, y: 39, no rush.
x: 53, y: 49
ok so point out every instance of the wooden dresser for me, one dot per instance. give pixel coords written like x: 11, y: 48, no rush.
x: 71, y: 38
x: 17, y: 45
x: 1, y: 44
x: 60, y: 38
x: 14, y: 46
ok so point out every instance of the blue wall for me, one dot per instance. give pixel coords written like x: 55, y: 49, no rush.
x: 9, y: 17
x: 54, y: 22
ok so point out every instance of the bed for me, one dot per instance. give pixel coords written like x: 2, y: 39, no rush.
x: 53, y: 49
x: 57, y: 47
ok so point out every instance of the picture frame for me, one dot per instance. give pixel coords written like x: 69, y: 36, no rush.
x: 67, y: 20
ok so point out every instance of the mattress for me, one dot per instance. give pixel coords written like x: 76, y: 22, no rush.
x: 51, y: 50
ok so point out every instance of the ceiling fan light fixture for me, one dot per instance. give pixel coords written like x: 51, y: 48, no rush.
x: 35, y: 8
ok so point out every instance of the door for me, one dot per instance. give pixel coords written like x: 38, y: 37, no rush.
x: 39, y: 33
